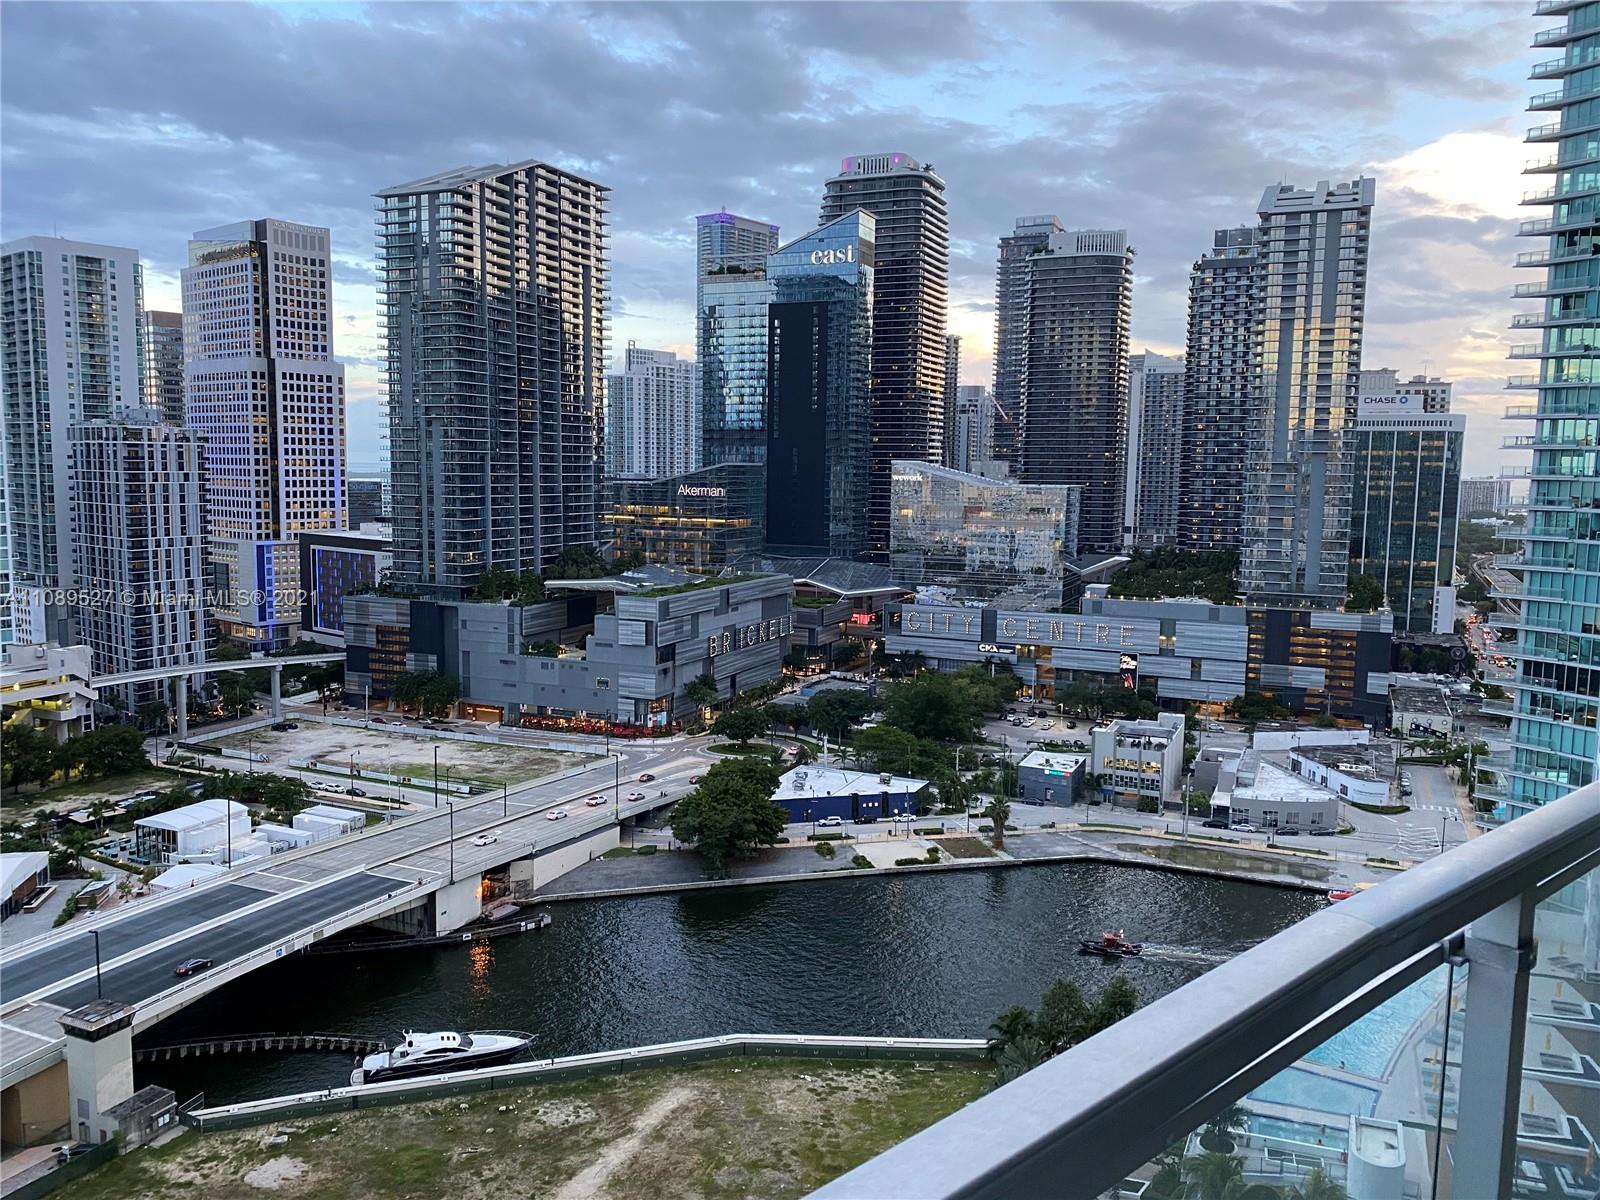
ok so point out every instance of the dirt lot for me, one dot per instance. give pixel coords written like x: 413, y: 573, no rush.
x: 72, y: 796
x: 381, y: 749
x: 745, y: 1127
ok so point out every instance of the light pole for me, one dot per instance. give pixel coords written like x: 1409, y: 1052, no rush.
x: 98, y: 994
x: 616, y: 789
x: 505, y: 798
x: 352, y: 789
x: 436, y: 776
x: 450, y: 801
x: 1183, y: 799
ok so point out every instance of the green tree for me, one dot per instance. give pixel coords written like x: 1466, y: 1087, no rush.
x: 1018, y: 1057
x: 1010, y: 1025
x: 1064, y: 1015
x: 1118, y: 999
x: 834, y: 712
x: 955, y: 793
x: 1219, y: 1130
x: 236, y: 691
x: 730, y: 813
x: 1215, y: 1176
x: 495, y: 583
x: 997, y: 814
x: 1366, y: 594
x: 933, y: 706
x: 1319, y: 1186
x: 27, y: 755
x: 742, y: 724
x: 896, y: 751
x: 701, y: 692
x: 579, y: 562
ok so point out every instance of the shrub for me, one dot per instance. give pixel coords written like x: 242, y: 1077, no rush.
x: 933, y: 854
x: 1386, y: 810
x: 646, y: 849
x: 825, y: 849
x: 825, y: 837
x: 860, y: 860
x: 909, y: 862
x: 929, y: 832
x: 68, y: 911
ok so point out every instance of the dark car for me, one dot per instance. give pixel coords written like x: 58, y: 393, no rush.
x: 1288, y: 831
x: 1213, y: 824
x: 192, y: 966
x: 1322, y: 831
x: 283, y: 726
x: 354, y: 791
x: 647, y: 778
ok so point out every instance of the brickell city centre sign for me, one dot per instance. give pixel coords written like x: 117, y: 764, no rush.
x: 1022, y: 629
x: 741, y: 637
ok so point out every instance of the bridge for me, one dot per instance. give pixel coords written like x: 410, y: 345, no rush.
x: 182, y: 675
x: 420, y: 874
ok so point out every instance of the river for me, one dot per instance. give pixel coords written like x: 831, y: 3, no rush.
x: 922, y: 954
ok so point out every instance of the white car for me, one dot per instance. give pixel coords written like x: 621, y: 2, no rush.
x: 831, y: 822
x: 486, y: 839
x: 1031, y: 722
x: 555, y: 814
x: 595, y: 801
x: 635, y: 795
x: 1242, y: 827
x: 1048, y: 725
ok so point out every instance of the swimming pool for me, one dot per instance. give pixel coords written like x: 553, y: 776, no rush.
x: 1300, y: 1131
x: 1307, y: 1089
x: 1367, y: 1047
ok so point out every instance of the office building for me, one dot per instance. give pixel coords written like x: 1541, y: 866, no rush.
x: 819, y: 355
x: 47, y: 688
x: 699, y: 521
x: 1403, y: 510
x: 652, y: 415
x: 1049, y: 777
x: 1139, y: 760
x: 1029, y: 236
x: 1317, y: 661
x: 163, y: 365
x: 975, y: 430
x: 364, y: 502
x: 1311, y: 298
x: 1074, y: 426
x: 988, y: 540
x: 1218, y: 391
x: 70, y: 318
x: 816, y: 793
x: 493, y: 294
x: 1432, y: 395
x: 139, y: 520
x: 1485, y: 495
x: 1555, y: 706
x: 910, y: 296
x: 8, y: 629
x: 1155, y: 444
x: 731, y: 297
x: 952, y: 385
x: 336, y: 565
x: 262, y: 387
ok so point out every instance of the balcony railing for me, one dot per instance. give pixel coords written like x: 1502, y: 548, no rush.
x: 1483, y: 1081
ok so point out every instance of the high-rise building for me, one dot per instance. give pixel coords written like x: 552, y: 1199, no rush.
x: 1403, y: 511
x: 1029, y: 236
x: 1155, y: 442
x: 1555, y: 708
x: 70, y: 327
x: 1427, y: 394
x: 493, y: 294
x: 1310, y: 301
x: 952, y: 384
x: 163, y: 365
x: 262, y: 387
x: 701, y: 521
x: 912, y: 281
x: 819, y: 369
x: 1218, y: 395
x: 1486, y: 495
x: 139, y: 520
x: 364, y: 502
x: 652, y: 415
x: 974, y: 426
x: 993, y: 540
x: 8, y: 625
x: 731, y: 296
x: 1074, y: 426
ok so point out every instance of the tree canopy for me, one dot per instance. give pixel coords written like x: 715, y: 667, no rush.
x: 1020, y: 1039
x: 742, y: 724
x: 836, y: 711
x: 1366, y: 594
x: 730, y: 813
x: 1164, y: 573
x: 429, y: 691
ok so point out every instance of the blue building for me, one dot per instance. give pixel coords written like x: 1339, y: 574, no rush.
x: 813, y: 793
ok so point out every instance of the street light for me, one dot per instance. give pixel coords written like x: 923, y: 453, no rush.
x: 98, y: 994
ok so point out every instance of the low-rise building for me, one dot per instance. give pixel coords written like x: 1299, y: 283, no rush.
x: 21, y: 875
x: 326, y: 820
x: 1047, y: 777
x: 813, y: 793
x: 47, y: 687
x: 1348, y: 774
x: 1139, y: 760
x: 1419, y: 711
x: 1268, y: 795
x: 194, y: 831
x: 838, y: 605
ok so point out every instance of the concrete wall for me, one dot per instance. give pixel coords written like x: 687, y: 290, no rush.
x: 34, y: 1110
x: 526, y: 875
x: 456, y: 904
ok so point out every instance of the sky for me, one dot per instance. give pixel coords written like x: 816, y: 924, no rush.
x: 138, y: 124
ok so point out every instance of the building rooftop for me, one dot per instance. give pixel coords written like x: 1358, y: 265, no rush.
x: 1052, y: 762
x: 460, y: 176
x: 833, y: 781
x: 19, y: 866
x: 1419, y: 700
x: 1348, y: 760
x: 193, y: 816
x: 1272, y: 782
x: 841, y: 576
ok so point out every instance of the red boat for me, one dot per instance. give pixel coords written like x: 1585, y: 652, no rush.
x: 1339, y: 894
x: 1111, y: 945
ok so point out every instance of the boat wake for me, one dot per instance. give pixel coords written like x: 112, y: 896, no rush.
x: 1185, y: 954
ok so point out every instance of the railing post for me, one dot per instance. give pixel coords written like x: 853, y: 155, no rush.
x: 1501, y: 951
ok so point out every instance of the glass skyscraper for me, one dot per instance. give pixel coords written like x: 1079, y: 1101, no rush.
x: 731, y: 296
x: 1310, y: 299
x: 819, y: 369
x: 1029, y: 236
x: 1556, y: 697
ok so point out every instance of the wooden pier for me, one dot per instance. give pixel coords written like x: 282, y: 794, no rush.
x: 313, y: 1043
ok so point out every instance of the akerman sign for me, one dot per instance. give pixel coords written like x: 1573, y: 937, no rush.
x: 1061, y: 631
x: 685, y: 489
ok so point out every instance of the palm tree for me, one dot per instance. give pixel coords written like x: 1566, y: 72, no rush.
x: 1219, y: 1131
x: 998, y: 813
x: 1014, y: 1023
x: 1319, y: 1186
x: 1019, y: 1056
x: 1214, y: 1176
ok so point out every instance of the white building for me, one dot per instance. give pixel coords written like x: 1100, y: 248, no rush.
x: 974, y: 417
x: 47, y: 687
x: 324, y: 821
x: 138, y: 514
x: 262, y: 386
x: 71, y: 314
x: 1268, y: 796
x: 205, y: 830
x: 1155, y: 449
x: 1139, y: 760
x: 653, y: 415
x: 1382, y: 383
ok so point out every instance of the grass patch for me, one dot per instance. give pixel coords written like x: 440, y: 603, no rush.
x: 619, y: 852
x: 64, y: 796
x: 1385, y: 810
x: 732, y: 748
x: 966, y: 847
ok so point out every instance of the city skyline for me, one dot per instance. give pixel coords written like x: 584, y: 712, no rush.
x: 1038, y: 144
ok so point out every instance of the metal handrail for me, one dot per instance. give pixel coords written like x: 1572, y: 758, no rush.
x: 1111, y: 1104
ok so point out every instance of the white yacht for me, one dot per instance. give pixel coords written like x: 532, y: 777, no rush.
x: 436, y: 1053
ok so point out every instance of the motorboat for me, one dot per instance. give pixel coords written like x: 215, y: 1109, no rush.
x: 437, y: 1053
x: 1338, y: 894
x: 1111, y: 945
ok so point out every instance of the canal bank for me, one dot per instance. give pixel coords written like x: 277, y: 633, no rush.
x: 900, y: 955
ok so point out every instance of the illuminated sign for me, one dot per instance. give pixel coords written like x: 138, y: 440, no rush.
x: 1128, y: 664
x: 741, y: 637
x: 823, y: 258
x: 991, y: 648
x: 1025, y: 630
x: 715, y: 492
x: 863, y: 618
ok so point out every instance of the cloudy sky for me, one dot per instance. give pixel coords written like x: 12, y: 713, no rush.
x: 136, y: 124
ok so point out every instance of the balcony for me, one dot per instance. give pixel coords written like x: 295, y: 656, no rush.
x: 1492, y: 1078
x: 1547, y: 225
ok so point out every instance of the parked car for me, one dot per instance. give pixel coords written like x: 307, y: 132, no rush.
x: 647, y: 778
x: 486, y: 839
x: 1288, y: 831
x: 831, y: 822
x: 1322, y: 831
x: 379, y: 721
x: 555, y: 814
x: 192, y: 966
x: 354, y: 791
x: 283, y: 726
x: 1069, y: 724
x: 1048, y: 725
x: 594, y: 801
x: 1242, y: 827
x: 1213, y: 824
x: 694, y: 779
